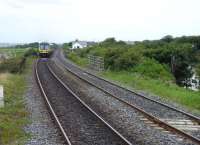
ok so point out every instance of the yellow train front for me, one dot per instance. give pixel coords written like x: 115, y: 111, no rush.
x: 44, y: 49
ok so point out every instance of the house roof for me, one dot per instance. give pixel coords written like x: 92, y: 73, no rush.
x: 91, y: 43
x: 83, y: 43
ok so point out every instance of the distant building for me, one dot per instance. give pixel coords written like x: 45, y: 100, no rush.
x: 130, y: 42
x: 81, y: 44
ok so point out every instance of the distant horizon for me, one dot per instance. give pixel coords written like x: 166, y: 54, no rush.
x: 97, y: 40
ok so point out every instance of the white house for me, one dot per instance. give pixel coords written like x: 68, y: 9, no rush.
x: 79, y: 44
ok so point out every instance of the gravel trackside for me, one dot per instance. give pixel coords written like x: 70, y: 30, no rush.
x: 124, y: 119
x: 42, y: 128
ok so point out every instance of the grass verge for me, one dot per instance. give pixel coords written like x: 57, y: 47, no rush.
x: 189, y: 99
x: 13, y: 117
x: 77, y: 59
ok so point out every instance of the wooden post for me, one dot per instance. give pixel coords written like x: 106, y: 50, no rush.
x: 1, y: 97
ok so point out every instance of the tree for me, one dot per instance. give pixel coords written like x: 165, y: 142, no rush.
x: 198, y: 70
x: 31, y: 45
x: 167, y: 38
x: 67, y: 45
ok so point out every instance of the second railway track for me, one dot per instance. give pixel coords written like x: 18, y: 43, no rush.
x: 79, y: 124
x: 184, y: 124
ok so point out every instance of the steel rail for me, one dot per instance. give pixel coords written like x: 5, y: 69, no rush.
x: 50, y: 106
x: 87, y: 107
x: 197, y: 119
x: 149, y: 116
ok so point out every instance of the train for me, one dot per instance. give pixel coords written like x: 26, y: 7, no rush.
x: 44, y: 49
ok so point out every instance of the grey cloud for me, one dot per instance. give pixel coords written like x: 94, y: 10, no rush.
x: 22, y: 3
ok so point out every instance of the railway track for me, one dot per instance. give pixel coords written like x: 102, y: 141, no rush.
x: 171, y: 119
x: 78, y: 123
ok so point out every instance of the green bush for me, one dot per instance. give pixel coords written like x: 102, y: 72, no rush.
x: 13, y: 65
x: 178, y: 53
x: 31, y: 52
x: 198, y: 70
x: 17, y: 64
x: 111, y: 57
x: 153, y: 69
x: 121, y: 58
x: 76, y: 59
x: 128, y: 59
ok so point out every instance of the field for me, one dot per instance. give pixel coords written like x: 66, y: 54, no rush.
x: 12, y: 52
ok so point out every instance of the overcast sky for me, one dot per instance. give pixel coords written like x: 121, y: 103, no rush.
x: 66, y: 20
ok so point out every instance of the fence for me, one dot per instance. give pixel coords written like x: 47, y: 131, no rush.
x: 96, y: 62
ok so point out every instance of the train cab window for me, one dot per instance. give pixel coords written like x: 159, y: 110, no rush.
x: 44, y: 46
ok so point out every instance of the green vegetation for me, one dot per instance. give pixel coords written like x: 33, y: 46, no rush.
x: 30, y: 45
x: 198, y: 70
x: 31, y: 52
x: 13, y: 116
x: 67, y: 45
x: 177, y: 56
x: 78, y: 60
x: 16, y: 64
x: 161, y: 67
x: 13, y: 52
x: 13, y: 65
x: 153, y: 69
x: 170, y: 91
